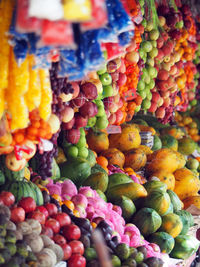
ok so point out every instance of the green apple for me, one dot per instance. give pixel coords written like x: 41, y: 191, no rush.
x: 105, y: 78
x: 152, y: 84
x: 101, y: 111
x: 149, y: 26
x: 141, y: 85
x: 150, y: 62
x: 101, y: 123
x: 83, y: 152
x: 192, y: 164
x: 143, y: 94
x: 154, y: 34
x: 153, y: 53
x: 146, y: 103
x: 107, y: 90
x: 72, y: 151
x: 146, y: 46
x: 91, y: 122
x: 102, y: 71
x: 82, y: 142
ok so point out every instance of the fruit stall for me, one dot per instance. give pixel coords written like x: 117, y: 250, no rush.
x: 99, y: 133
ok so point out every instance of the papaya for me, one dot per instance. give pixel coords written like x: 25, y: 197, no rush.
x: 163, y: 240
x: 97, y: 141
x: 157, y: 144
x: 127, y: 206
x: 186, y: 183
x: 159, y: 201
x: 185, y: 246
x: 98, y: 180
x: 151, y: 186
x: 172, y: 224
x: 187, y: 215
x: 146, y: 149
x: 102, y: 195
x: 117, y: 179
x: 97, y: 168
x: 175, y: 200
x: 165, y: 159
x: 114, y: 157
x: 135, y: 158
x: 170, y: 210
x: 169, y: 141
x: 185, y: 221
x: 147, y: 220
x: 131, y: 190
x: 173, y: 131
x: 192, y: 200
x: 91, y: 158
x: 76, y: 170
x: 165, y: 177
x: 129, y: 138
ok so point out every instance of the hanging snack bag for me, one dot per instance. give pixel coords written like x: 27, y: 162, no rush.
x: 77, y: 10
x: 24, y: 23
x: 99, y: 16
x: 46, y: 9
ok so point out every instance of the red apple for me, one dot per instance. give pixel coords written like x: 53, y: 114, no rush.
x: 59, y: 239
x: 119, y: 116
x: 7, y: 198
x: 37, y: 215
x: 28, y: 204
x: 71, y: 232
x: 73, y: 136
x: 90, y: 90
x: 62, y: 218
x: 89, y: 109
x: 68, y: 125
x: 80, y: 121
x: 112, y: 118
x: 17, y: 214
x: 67, y: 251
x: 79, y: 101
x: 76, y: 89
x: 153, y: 107
x: 51, y: 208
x: 53, y: 224
x: 160, y: 112
x: 43, y: 210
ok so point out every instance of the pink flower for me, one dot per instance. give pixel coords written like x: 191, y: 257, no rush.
x: 80, y: 200
x: 87, y: 191
x: 125, y: 239
x: 68, y: 188
x: 54, y: 189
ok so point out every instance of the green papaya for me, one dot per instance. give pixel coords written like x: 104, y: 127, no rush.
x: 175, y: 200
x: 151, y: 186
x: 118, y: 179
x: 98, y: 180
x: 97, y: 168
x: 91, y: 158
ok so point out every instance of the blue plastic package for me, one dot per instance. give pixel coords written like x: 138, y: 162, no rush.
x: 125, y: 38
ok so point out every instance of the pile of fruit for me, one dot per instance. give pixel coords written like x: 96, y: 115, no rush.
x: 99, y: 131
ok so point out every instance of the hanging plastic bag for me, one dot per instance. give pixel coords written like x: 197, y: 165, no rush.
x: 23, y: 22
x: 46, y: 9
x: 56, y: 33
x: 77, y: 10
x: 99, y: 16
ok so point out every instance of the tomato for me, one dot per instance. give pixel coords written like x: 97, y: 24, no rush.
x: 77, y: 247
x: 67, y: 251
x: 7, y: 198
x: 43, y: 210
x: 47, y: 231
x: 37, y: 215
x: 71, y: 232
x: 76, y: 260
x: 53, y: 224
x: 28, y: 204
x: 62, y: 218
x: 17, y: 214
x: 59, y: 239
x: 51, y: 208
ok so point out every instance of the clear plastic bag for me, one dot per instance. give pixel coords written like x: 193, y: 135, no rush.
x: 46, y: 9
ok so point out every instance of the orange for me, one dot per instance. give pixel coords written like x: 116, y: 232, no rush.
x: 102, y: 161
x: 69, y: 204
x: 76, y: 213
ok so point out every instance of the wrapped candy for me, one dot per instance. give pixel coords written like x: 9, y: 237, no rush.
x: 77, y: 10
x: 46, y: 9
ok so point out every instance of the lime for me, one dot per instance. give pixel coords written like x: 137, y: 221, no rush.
x: 179, y: 25
x: 150, y: 62
x: 144, y: 22
x: 91, y: 122
x: 169, y: 141
x: 107, y: 90
x: 102, y: 71
x: 142, y: 53
x: 143, y: 94
x: 90, y: 254
x: 83, y: 152
x: 137, y: 109
x: 157, y: 144
x: 149, y: 26
x: 146, y: 103
x: 152, y: 84
x: 115, y: 261
x: 186, y: 146
x: 101, y: 111
x: 82, y: 142
x: 72, y: 151
x: 154, y: 43
x: 152, y: 71
x: 153, y: 53
x: 147, y: 87
x: 139, y: 257
x: 193, y: 102
x: 99, y: 103
x: 122, y: 251
x: 149, y: 95
x: 145, y: 72
x: 154, y: 34
x: 147, y: 79
x: 101, y: 122
x: 192, y: 164
x: 141, y: 85
x: 146, y: 46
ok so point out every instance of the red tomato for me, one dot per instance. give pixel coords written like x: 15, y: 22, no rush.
x: 51, y: 208
x: 67, y: 251
x: 17, y: 214
x: 59, y: 239
x: 7, y: 198
x: 71, y: 232
x: 37, y: 215
x: 43, y: 210
x: 47, y: 231
x: 62, y: 218
x: 77, y: 247
x: 76, y: 260
x: 53, y: 224
x: 28, y: 204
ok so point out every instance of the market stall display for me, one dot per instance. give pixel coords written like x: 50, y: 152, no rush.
x: 99, y: 132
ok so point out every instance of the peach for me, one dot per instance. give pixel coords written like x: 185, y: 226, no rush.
x: 167, y: 102
x: 173, y: 70
x: 165, y: 94
x: 163, y: 75
x: 160, y: 102
x: 170, y: 81
x: 162, y: 85
x: 155, y: 96
x: 165, y: 36
x: 160, y: 112
x: 166, y: 66
x: 160, y: 55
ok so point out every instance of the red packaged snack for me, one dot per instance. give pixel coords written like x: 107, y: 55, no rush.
x: 24, y: 23
x: 57, y: 33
